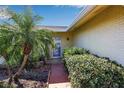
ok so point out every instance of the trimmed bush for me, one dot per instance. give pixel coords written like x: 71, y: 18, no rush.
x: 89, y: 71
x: 74, y: 51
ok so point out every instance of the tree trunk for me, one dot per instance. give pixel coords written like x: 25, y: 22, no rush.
x: 16, y: 76
x: 44, y: 62
x: 26, y: 51
x: 10, y: 80
x: 42, y: 58
x: 10, y: 75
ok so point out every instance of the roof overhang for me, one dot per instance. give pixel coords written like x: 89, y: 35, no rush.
x: 86, y: 14
x: 52, y: 28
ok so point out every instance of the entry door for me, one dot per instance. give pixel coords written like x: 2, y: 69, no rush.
x: 57, y: 50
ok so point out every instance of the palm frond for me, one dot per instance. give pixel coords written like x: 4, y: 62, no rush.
x: 18, y: 31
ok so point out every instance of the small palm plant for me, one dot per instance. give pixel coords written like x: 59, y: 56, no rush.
x: 19, y: 39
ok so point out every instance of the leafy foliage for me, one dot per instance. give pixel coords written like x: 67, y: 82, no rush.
x: 19, y: 30
x: 74, y: 51
x: 87, y: 70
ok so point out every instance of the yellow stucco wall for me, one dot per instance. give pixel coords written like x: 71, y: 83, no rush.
x: 64, y: 35
x: 104, y: 34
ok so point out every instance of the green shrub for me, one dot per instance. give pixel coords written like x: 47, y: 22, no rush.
x: 88, y: 70
x: 74, y: 51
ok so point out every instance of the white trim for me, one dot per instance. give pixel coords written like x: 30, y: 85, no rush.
x: 82, y: 14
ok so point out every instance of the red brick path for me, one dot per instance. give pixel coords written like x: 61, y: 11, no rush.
x: 58, y: 74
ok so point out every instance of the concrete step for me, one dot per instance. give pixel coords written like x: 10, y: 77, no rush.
x: 60, y: 85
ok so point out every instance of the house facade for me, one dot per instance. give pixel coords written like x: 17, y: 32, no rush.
x: 103, y: 34
x: 99, y: 29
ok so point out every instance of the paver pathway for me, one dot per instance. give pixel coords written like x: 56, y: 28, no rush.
x: 58, y: 77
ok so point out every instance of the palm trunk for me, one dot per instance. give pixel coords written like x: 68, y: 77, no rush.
x: 16, y: 76
x: 26, y: 52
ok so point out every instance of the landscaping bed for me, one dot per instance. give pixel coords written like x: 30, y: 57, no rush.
x: 87, y: 70
x: 34, y: 78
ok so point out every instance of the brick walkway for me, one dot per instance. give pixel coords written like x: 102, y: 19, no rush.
x: 58, y: 77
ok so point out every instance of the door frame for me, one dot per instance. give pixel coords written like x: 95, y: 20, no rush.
x: 57, y: 39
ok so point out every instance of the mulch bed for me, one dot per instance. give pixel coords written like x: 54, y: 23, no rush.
x: 35, y: 78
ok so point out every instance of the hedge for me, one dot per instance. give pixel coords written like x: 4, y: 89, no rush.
x: 74, y: 51
x: 88, y: 71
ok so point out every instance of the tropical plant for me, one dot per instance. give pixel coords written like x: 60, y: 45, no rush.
x: 19, y: 39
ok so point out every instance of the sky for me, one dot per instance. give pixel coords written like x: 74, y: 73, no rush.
x: 53, y: 15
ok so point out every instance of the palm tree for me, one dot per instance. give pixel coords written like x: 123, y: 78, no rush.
x: 18, y: 39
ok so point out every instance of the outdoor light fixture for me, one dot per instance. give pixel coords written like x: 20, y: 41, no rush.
x: 67, y: 38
